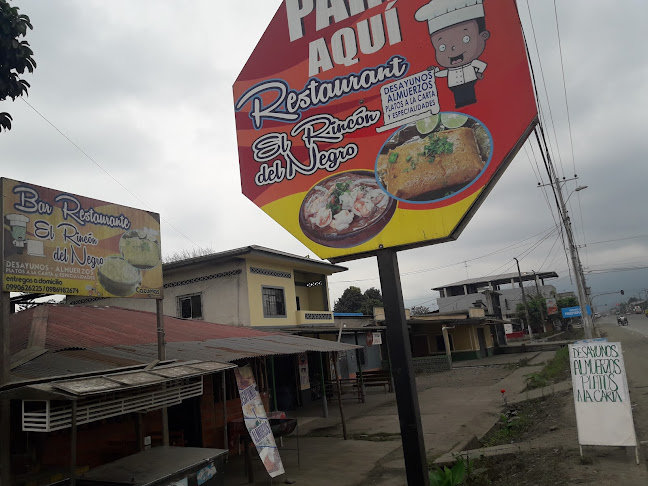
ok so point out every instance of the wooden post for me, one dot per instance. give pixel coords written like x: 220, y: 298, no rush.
x: 274, y: 384
x: 339, y: 394
x: 359, y: 366
x: 446, y: 340
x: 5, y: 361
x: 73, y: 445
x: 5, y: 405
x: 225, y: 441
x: 162, y: 357
x: 323, y: 381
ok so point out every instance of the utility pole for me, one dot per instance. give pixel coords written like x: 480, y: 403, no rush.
x: 542, y: 308
x: 526, y: 308
x: 554, y: 181
x: 578, y: 269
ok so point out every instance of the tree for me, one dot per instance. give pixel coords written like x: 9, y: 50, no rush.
x: 419, y: 310
x: 353, y: 300
x: 372, y: 298
x: 15, y: 57
x: 567, y: 302
x: 536, y: 303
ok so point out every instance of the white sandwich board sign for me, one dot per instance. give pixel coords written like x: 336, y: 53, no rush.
x: 601, y: 397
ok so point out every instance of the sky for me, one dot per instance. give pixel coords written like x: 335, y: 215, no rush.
x: 131, y: 103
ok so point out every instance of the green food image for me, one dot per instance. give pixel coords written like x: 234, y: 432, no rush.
x: 393, y: 157
x: 426, y: 125
x: 453, y: 120
x: 436, y: 145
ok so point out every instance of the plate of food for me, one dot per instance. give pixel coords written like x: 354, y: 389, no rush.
x: 345, y: 209
x: 141, y: 248
x: 420, y: 165
x: 119, y: 277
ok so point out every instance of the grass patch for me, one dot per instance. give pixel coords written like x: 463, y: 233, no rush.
x: 555, y: 371
x: 509, y: 428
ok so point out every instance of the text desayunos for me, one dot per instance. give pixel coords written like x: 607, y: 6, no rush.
x: 315, y: 129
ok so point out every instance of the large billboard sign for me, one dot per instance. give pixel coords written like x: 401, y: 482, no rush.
x: 61, y: 243
x: 367, y: 124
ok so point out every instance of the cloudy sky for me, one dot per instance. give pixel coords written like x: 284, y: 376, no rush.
x: 132, y: 103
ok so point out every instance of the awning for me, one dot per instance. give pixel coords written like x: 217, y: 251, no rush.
x: 47, y: 406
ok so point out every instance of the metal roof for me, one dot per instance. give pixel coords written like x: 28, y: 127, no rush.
x: 254, y: 250
x: 62, y: 327
x: 231, y: 349
x: 500, y: 279
x: 80, y: 340
x: 106, y: 380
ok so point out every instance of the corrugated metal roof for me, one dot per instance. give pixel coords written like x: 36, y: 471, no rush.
x: 92, y: 327
x: 231, y: 349
x: 74, y: 362
x: 91, y: 339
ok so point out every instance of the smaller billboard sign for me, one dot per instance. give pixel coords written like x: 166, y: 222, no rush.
x: 552, y: 306
x: 257, y: 422
x: 601, y: 398
x: 574, y: 311
x: 61, y: 243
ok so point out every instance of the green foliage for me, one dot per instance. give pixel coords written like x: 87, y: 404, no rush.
x: 567, y: 302
x: 449, y: 477
x: 353, y: 300
x: 512, y: 425
x: 15, y: 56
x: 537, y: 309
x: 556, y: 370
x: 419, y: 310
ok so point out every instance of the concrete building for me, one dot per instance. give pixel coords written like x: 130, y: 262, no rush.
x: 499, y: 294
x: 250, y: 286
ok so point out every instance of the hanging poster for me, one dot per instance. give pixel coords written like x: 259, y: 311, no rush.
x: 552, y: 306
x: 381, y: 123
x: 601, y: 398
x: 256, y: 421
x: 61, y: 243
x: 304, y: 380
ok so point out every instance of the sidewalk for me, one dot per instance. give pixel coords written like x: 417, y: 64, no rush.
x: 455, y: 407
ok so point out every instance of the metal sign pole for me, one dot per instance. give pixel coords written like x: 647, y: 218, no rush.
x: 398, y: 344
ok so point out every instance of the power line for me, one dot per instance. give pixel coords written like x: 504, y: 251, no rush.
x: 544, y: 85
x: 415, y: 272
x: 562, y: 69
x: 106, y: 172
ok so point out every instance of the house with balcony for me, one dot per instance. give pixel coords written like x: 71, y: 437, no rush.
x: 251, y: 286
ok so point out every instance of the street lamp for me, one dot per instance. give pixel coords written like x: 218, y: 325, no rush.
x: 579, y: 188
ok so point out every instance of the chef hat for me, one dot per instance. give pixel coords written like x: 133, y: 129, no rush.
x: 440, y: 14
x: 17, y: 220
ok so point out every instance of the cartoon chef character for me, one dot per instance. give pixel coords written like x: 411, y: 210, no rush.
x: 18, y: 224
x: 458, y: 34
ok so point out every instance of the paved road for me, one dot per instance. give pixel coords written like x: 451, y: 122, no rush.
x: 634, y: 339
x: 637, y: 323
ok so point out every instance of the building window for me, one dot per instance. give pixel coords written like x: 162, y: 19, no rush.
x: 190, y: 306
x: 274, y: 303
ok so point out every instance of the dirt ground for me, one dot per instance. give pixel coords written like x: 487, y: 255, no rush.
x: 463, y: 377
x: 548, y: 424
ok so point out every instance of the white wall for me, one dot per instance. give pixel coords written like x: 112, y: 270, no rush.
x: 513, y: 296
